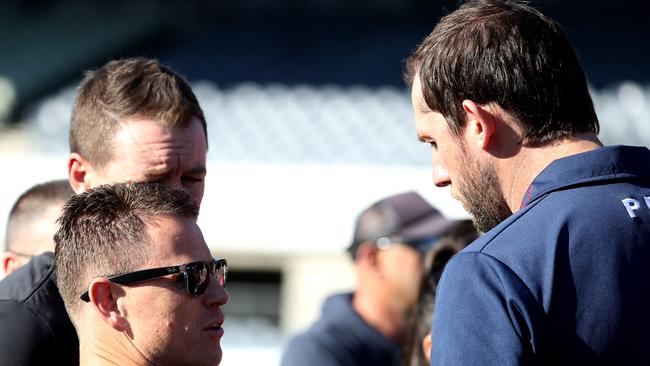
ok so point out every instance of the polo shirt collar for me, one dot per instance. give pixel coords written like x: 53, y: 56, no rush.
x: 605, y: 163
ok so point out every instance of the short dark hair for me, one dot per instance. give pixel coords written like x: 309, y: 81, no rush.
x: 419, y: 323
x: 124, y: 89
x: 103, y: 232
x: 510, y: 54
x: 30, y: 209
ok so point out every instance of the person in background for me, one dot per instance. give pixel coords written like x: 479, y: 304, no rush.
x: 560, y: 275
x: 368, y: 327
x: 138, y: 279
x: 132, y: 120
x: 32, y: 223
x: 137, y: 120
x: 418, y: 336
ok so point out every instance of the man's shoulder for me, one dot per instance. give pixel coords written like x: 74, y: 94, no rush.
x: 33, y: 308
x: 337, y: 316
x: 332, y: 344
x: 31, y: 295
x: 590, y: 219
x: 30, y: 330
x: 311, y: 338
x: 22, y: 319
x: 339, y: 337
x: 325, y: 332
x: 28, y: 279
x: 317, y: 346
x: 611, y: 203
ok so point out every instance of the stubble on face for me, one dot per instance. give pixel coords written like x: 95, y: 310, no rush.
x: 170, y: 329
x: 479, y: 192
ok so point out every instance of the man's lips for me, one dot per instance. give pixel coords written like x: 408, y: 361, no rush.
x: 217, y: 330
x: 215, y: 326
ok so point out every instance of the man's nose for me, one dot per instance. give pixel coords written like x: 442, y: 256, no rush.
x: 440, y: 174
x: 216, y: 294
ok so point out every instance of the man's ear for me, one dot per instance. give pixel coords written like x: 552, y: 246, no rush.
x: 104, y: 298
x: 426, y: 347
x: 80, y: 173
x: 481, y: 124
x: 11, y: 262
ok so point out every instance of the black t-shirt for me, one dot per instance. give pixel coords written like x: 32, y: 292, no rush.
x: 34, y: 326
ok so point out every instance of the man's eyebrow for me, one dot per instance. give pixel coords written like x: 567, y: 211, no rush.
x: 422, y: 139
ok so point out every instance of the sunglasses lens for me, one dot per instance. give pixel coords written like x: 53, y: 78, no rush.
x: 198, y: 277
x: 220, y: 271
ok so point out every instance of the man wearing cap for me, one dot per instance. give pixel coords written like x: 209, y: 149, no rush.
x: 367, y: 327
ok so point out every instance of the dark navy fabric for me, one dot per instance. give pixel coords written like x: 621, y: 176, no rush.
x: 565, y: 280
x: 34, y: 326
x: 341, y: 337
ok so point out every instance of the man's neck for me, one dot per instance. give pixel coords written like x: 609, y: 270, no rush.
x: 382, y: 318
x: 110, y: 350
x: 519, y: 171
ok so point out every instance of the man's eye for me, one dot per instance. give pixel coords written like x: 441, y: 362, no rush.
x: 433, y: 144
x: 192, y: 179
x: 179, y: 281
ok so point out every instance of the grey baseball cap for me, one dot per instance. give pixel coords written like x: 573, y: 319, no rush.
x: 404, y: 218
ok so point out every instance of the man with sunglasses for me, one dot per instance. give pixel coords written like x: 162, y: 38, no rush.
x: 132, y: 120
x: 367, y: 327
x: 138, y: 279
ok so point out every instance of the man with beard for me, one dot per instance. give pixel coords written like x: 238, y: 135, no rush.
x: 560, y: 275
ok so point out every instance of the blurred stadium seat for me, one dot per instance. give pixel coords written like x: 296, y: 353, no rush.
x: 356, y: 125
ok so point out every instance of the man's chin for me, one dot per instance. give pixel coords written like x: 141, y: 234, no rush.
x: 484, y: 218
x: 463, y: 202
x: 458, y: 197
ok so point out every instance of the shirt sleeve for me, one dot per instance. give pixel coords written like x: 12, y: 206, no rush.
x: 22, y: 335
x: 484, y: 314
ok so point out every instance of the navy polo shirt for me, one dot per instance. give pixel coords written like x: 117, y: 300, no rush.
x: 341, y: 337
x: 565, y: 280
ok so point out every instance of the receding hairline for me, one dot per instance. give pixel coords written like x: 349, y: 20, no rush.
x: 122, y: 128
x: 124, y: 89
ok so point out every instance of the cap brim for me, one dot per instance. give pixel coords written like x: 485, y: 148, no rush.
x: 428, y: 227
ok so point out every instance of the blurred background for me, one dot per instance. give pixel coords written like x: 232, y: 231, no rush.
x: 309, y: 121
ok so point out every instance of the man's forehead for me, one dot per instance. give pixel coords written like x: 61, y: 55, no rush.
x: 416, y: 86
x: 417, y: 98
x: 155, y: 141
x: 142, y: 127
x: 176, y: 240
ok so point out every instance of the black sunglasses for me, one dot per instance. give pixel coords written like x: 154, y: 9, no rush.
x: 421, y: 245
x: 196, y: 274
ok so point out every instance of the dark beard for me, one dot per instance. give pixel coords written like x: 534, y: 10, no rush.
x: 480, y: 194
